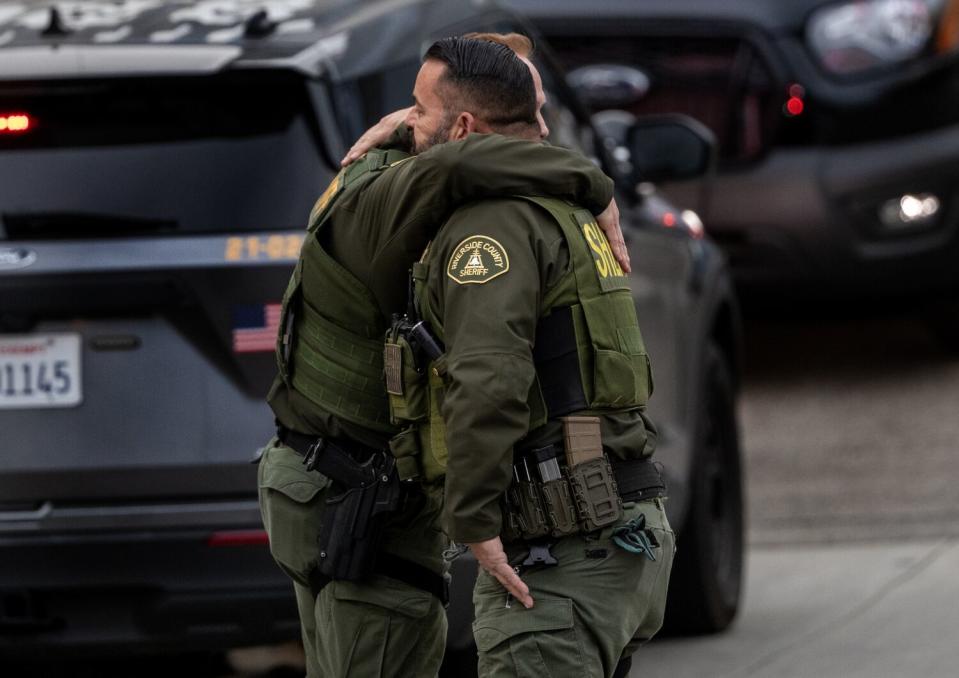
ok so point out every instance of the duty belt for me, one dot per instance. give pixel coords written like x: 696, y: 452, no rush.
x: 336, y: 452
x: 350, y: 461
x: 550, y: 498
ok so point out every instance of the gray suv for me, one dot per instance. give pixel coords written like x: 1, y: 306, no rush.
x: 157, y: 164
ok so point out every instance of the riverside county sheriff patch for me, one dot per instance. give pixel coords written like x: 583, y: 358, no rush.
x: 478, y: 259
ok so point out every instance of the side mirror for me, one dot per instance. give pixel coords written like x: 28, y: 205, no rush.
x: 669, y: 148
x: 609, y: 85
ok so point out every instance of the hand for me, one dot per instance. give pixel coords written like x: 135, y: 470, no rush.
x: 608, y: 220
x: 376, y: 135
x: 492, y: 558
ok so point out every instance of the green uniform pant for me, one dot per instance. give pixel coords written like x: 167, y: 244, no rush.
x: 597, y: 605
x: 378, y: 627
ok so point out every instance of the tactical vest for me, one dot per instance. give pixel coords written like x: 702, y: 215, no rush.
x: 330, y: 348
x: 589, y: 353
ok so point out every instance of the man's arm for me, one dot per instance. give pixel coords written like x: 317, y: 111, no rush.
x: 489, y: 323
x: 492, y: 165
x: 481, y: 175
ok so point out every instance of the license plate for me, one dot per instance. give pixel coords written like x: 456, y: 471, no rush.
x: 40, y: 370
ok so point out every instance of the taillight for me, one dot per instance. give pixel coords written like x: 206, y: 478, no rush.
x: 238, y: 538
x: 15, y: 123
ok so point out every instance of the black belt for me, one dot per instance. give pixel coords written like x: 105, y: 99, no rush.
x: 387, y: 564
x: 301, y: 443
x: 311, y: 447
x: 638, y: 479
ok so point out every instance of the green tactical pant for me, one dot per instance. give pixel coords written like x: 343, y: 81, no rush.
x: 597, y: 605
x: 378, y: 627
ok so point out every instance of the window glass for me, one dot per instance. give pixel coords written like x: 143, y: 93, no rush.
x: 236, y: 152
x: 565, y: 128
x: 361, y: 103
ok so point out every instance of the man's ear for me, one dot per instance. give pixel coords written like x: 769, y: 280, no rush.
x: 463, y: 126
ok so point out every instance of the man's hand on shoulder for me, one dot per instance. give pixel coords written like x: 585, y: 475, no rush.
x: 492, y: 558
x: 376, y: 135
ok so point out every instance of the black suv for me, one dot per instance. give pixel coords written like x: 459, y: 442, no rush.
x: 157, y: 164
x: 837, y: 123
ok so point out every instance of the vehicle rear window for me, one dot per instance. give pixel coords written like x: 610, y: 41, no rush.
x: 232, y: 152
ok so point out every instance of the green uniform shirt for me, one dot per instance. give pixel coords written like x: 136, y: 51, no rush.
x: 377, y: 230
x: 489, y: 326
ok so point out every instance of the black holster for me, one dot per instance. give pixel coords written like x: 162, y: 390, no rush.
x: 354, y: 520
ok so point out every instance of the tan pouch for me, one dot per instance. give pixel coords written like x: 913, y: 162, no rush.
x: 405, y: 386
x: 595, y: 492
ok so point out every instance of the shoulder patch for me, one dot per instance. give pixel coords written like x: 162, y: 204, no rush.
x: 477, y: 260
x: 328, y: 194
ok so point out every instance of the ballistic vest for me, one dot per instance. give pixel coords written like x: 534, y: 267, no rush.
x: 589, y: 353
x: 330, y: 348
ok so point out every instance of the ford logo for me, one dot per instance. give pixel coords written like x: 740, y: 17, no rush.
x: 11, y: 257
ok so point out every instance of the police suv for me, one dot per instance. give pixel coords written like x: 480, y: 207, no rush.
x: 158, y: 161
x: 838, y: 133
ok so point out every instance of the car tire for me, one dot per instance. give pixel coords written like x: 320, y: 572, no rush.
x: 706, y: 581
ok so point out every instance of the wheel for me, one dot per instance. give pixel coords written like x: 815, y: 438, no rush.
x: 704, y: 589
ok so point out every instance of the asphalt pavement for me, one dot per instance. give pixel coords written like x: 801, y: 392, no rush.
x: 862, y: 610
x: 852, y: 447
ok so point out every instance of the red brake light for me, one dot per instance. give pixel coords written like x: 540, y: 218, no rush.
x: 238, y: 538
x: 15, y: 123
x: 795, y: 104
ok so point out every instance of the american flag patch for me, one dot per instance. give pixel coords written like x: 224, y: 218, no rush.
x: 255, y: 328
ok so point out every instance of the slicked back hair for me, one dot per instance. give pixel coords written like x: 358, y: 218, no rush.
x: 486, y: 79
x: 519, y: 43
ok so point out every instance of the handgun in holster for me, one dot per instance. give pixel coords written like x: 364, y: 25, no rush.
x: 357, y: 509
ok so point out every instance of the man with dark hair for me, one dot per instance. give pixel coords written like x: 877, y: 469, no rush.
x: 486, y: 83
x: 535, y: 416
x: 382, y: 615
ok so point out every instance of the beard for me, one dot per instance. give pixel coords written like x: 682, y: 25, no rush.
x: 439, y: 136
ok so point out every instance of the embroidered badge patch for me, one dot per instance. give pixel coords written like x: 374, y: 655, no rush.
x: 324, y: 199
x: 478, y: 259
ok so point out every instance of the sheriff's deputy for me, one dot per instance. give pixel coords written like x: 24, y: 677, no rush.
x: 536, y: 415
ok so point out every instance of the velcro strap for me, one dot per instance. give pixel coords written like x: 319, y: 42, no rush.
x: 638, y: 479
x: 557, y: 364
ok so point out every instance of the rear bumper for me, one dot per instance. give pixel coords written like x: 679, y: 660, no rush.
x: 139, y: 591
x: 810, y: 217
